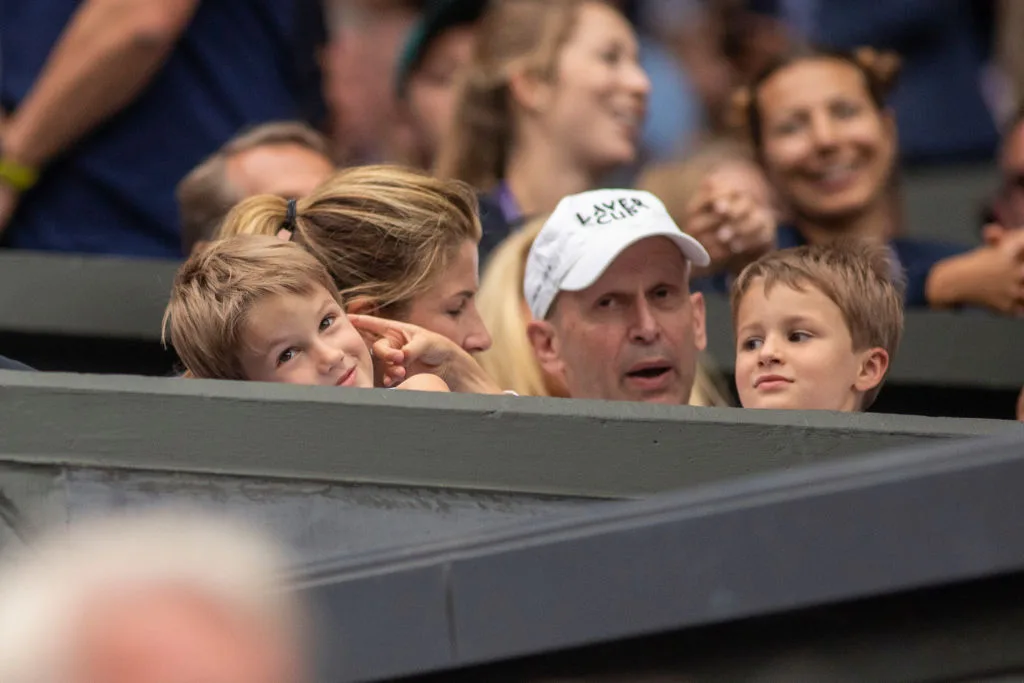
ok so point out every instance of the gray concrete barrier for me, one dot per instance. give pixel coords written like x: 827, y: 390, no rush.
x: 842, y: 567
x: 339, y: 471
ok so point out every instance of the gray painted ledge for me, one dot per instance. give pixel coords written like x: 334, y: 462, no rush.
x: 81, y: 295
x: 529, y: 446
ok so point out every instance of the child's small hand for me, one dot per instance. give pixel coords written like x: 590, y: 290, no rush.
x: 732, y: 225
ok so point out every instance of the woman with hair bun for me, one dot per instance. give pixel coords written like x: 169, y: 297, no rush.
x: 827, y: 142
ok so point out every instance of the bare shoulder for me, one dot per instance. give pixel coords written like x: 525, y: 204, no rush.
x: 424, y: 382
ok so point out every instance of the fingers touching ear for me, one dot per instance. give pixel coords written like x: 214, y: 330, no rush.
x: 361, y: 305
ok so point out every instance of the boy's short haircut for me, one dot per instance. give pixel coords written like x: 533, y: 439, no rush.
x: 215, y: 290
x: 862, y: 279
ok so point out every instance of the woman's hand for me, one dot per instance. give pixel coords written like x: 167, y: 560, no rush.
x: 990, y: 276
x: 733, y: 226
x: 404, y: 350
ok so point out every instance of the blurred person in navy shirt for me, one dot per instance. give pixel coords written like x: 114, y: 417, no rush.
x: 360, y: 67
x: 108, y: 104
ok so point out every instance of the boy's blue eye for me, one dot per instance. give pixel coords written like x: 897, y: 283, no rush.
x: 797, y: 337
x: 751, y: 344
x: 326, y: 322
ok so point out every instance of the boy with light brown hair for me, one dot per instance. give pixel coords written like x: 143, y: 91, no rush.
x: 263, y: 309
x: 816, y: 327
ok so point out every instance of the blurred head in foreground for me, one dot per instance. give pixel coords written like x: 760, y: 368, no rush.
x: 158, y: 597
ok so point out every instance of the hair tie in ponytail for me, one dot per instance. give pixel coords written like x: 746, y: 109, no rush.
x: 288, y: 227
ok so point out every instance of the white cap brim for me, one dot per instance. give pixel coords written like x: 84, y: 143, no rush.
x: 601, y: 255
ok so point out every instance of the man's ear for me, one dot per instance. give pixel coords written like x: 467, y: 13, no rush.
x: 362, y: 305
x: 545, y: 346
x: 700, y: 330
x: 873, y: 366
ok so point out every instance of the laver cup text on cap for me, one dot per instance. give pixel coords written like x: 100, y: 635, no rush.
x: 585, y: 234
x: 608, y: 212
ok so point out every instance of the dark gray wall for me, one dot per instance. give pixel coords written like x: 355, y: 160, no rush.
x: 944, y: 203
x: 540, y: 446
x: 832, y: 534
x: 89, y: 296
x: 340, y: 471
x: 316, y: 519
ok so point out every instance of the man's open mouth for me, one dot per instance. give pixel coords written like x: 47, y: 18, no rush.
x: 650, y: 372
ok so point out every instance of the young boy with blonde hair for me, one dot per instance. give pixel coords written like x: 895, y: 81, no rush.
x: 263, y: 309
x: 816, y: 327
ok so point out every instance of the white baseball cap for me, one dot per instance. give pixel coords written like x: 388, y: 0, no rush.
x: 586, y: 233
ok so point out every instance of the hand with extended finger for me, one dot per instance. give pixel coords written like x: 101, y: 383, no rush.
x: 405, y: 350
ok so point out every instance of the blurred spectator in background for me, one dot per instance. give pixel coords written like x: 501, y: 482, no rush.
x: 150, y: 597
x: 944, y: 45
x: 287, y: 159
x: 109, y: 104
x: 553, y: 101
x: 1006, y: 211
x: 510, y: 360
x: 360, y: 67
x: 1008, y: 59
x: 725, y: 201
x: 827, y: 143
x: 719, y: 43
x: 675, y: 113
x: 398, y: 243
x: 436, y: 52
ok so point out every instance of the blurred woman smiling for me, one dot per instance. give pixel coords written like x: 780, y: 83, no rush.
x: 553, y: 100
x: 827, y: 143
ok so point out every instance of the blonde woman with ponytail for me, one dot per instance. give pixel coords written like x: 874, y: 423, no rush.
x: 553, y: 100
x: 511, y: 361
x: 398, y: 244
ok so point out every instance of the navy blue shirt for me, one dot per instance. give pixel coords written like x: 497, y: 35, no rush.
x: 499, y: 217
x: 239, y: 63
x: 915, y: 257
